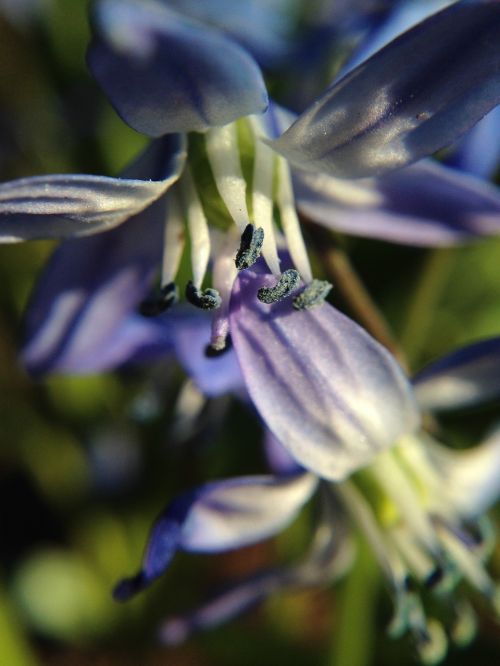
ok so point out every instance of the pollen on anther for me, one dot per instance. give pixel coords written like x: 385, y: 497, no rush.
x: 314, y: 294
x: 169, y: 295
x: 250, y: 248
x: 205, y: 299
x: 288, y: 282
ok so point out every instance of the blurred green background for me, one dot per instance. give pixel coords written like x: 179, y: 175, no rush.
x: 87, y: 463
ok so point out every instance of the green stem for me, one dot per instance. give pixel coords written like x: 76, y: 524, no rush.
x: 354, y: 635
x: 433, y: 280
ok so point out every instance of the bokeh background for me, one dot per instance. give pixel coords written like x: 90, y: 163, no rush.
x: 86, y: 463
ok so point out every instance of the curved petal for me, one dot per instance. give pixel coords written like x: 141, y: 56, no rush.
x: 418, y: 94
x: 67, y: 205
x: 164, y: 73
x: 424, y: 204
x: 220, y: 516
x: 330, y: 393
x: 472, y: 477
x: 463, y: 378
x: 90, y: 289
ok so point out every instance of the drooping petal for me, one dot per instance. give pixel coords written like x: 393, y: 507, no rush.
x: 328, y: 559
x: 165, y: 73
x: 472, y: 477
x: 68, y: 205
x: 330, y: 393
x: 90, y: 288
x: 220, y: 516
x: 418, y: 94
x: 424, y: 204
x: 463, y: 378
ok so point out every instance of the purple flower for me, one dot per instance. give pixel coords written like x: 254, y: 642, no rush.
x: 419, y: 506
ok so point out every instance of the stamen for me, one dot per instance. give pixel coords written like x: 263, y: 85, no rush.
x: 174, y: 240
x: 223, y: 276
x: 288, y: 282
x: 464, y: 629
x: 468, y: 563
x: 198, y: 228
x: 262, y: 194
x: 169, y: 295
x: 205, y: 299
x: 314, y: 294
x: 400, y: 488
x: 218, y: 346
x: 433, y: 646
x: 250, y: 247
x: 224, y: 157
x: 290, y: 221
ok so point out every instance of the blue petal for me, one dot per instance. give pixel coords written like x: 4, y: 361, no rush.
x: 86, y: 300
x: 190, y: 333
x: 164, y: 73
x: 263, y: 27
x: 479, y: 150
x: 415, y: 96
x: 330, y: 393
x: 220, y: 516
x: 463, y: 378
x: 70, y: 205
x: 424, y: 204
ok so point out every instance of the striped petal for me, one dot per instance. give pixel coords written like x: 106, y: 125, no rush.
x: 68, y: 205
x: 330, y: 393
x: 425, y: 204
x: 418, y: 94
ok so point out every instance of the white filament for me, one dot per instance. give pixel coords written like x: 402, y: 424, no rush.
x: 262, y: 196
x: 358, y: 507
x: 224, y: 157
x: 290, y: 221
x: 401, y: 490
x: 198, y: 228
x: 173, y: 241
x: 467, y: 562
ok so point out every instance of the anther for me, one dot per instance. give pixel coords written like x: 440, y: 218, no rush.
x: 314, y: 294
x: 288, y: 282
x: 435, y: 577
x: 169, y: 295
x: 205, y: 299
x: 217, y: 349
x: 250, y: 247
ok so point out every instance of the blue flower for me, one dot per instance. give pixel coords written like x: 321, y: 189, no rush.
x: 164, y: 72
x: 419, y: 506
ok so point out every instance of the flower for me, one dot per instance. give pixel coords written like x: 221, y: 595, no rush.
x: 419, y: 506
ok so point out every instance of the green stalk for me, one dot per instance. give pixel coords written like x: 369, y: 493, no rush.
x: 426, y: 298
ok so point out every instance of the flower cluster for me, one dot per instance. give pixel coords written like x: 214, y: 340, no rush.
x: 226, y: 181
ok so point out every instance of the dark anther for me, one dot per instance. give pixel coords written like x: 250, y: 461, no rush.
x: 214, y: 350
x: 289, y: 280
x: 409, y: 584
x: 435, y: 577
x: 169, y: 295
x: 314, y: 294
x: 206, y: 299
x: 250, y: 247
